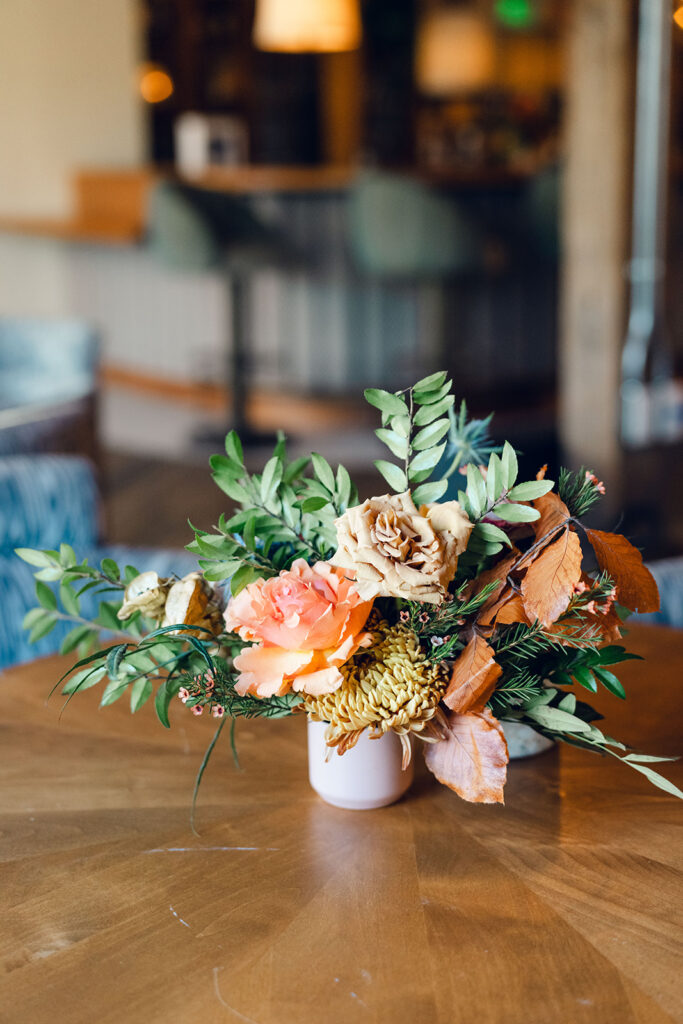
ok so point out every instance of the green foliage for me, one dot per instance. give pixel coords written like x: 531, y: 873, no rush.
x: 283, y: 515
x: 414, y: 428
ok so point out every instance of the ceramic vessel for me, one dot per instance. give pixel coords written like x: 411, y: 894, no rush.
x: 523, y: 741
x: 365, y: 777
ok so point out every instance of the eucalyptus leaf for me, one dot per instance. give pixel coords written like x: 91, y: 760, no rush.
x: 556, y: 720
x: 140, y: 692
x: 33, y: 557
x: 46, y: 597
x: 431, y: 383
x: 430, y: 435
x: 426, y: 460
x: 42, y: 628
x: 68, y: 598
x: 233, y: 447
x: 323, y: 471
x: 432, y: 396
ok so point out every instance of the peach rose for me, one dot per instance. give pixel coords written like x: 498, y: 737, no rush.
x: 306, y: 623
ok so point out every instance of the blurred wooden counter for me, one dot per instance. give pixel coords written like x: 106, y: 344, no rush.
x: 564, y: 906
x: 110, y: 205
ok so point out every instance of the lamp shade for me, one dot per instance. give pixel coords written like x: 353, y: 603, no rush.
x: 307, y: 26
x: 456, y: 52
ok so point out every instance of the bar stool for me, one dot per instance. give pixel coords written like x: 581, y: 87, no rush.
x: 194, y: 229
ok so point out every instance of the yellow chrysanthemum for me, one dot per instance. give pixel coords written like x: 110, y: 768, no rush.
x: 391, y: 686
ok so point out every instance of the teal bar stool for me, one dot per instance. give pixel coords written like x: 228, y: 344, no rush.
x: 401, y: 228
x: 193, y: 229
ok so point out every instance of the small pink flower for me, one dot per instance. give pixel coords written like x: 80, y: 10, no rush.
x: 405, y: 616
x: 598, y: 484
x: 209, y: 680
x: 218, y: 711
x: 184, y: 694
x: 424, y: 617
x: 197, y: 710
x: 580, y: 587
x: 591, y: 607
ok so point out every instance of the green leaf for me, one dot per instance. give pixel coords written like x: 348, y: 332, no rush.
x: 344, y: 487
x: 140, y: 692
x: 613, y: 654
x: 646, y: 758
x: 426, y: 460
x: 428, y: 413
x: 114, y: 659
x: 489, y: 532
x: 42, y: 628
x: 431, y: 383
x: 432, y: 491
x: 586, y: 678
x: 516, y: 513
x: 401, y: 424
x: 568, y: 703
x: 75, y: 637
x: 67, y: 556
x: 509, y: 466
x: 494, y: 478
x: 431, y: 435
x: 241, y: 579
x: 233, y: 447
x: 110, y: 569
x: 433, y: 396
x: 657, y: 780
x: 394, y: 476
x: 46, y: 596
x: 323, y: 471
x: 32, y: 617
x: 610, y: 682
x: 395, y: 443
x: 33, y: 557
x: 556, y: 720
x: 114, y: 689
x: 476, y: 489
x: 165, y: 694
x: 84, y: 679
x: 295, y: 469
x: 233, y: 489
x: 68, y: 598
x: 51, y: 575
x: 531, y: 490
x: 270, y: 480
x: 386, y: 402
x: 314, y: 504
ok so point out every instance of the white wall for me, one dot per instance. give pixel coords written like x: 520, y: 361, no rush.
x: 67, y: 97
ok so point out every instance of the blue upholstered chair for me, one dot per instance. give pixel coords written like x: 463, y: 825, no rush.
x: 47, y: 385
x: 46, y: 500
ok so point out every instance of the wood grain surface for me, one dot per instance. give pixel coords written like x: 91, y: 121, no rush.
x: 563, y: 906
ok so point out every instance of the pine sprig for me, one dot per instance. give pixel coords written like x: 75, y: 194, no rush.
x: 579, y: 491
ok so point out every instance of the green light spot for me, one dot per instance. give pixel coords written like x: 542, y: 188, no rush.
x: 515, y: 13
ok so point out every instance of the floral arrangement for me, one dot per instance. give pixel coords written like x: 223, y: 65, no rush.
x: 434, y: 619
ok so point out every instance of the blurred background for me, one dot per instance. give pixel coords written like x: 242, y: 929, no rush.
x: 243, y: 212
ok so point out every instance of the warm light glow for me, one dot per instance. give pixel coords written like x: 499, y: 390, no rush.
x: 155, y: 84
x: 678, y: 16
x: 307, y: 26
x: 456, y: 52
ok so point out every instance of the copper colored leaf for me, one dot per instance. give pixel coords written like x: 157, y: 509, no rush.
x: 553, y: 514
x: 549, y: 582
x: 472, y: 760
x: 636, y: 588
x: 512, y: 610
x: 474, y: 677
x: 497, y: 573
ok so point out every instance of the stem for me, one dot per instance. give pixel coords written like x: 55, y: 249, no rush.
x: 200, y: 773
x: 95, y: 626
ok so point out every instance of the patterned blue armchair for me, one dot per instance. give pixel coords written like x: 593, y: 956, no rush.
x: 46, y: 500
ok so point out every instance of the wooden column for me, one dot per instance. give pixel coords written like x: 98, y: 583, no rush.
x: 596, y: 217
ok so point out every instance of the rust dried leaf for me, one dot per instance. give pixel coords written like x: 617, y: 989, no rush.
x: 474, y: 677
x: 472, y: 760
x: 636, y: 587
x: 549, y: 582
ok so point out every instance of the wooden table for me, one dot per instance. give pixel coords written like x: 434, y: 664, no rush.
x: 561, y: 907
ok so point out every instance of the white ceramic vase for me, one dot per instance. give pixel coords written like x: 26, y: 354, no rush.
x: 523, y: 741
x: 365, y: 777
